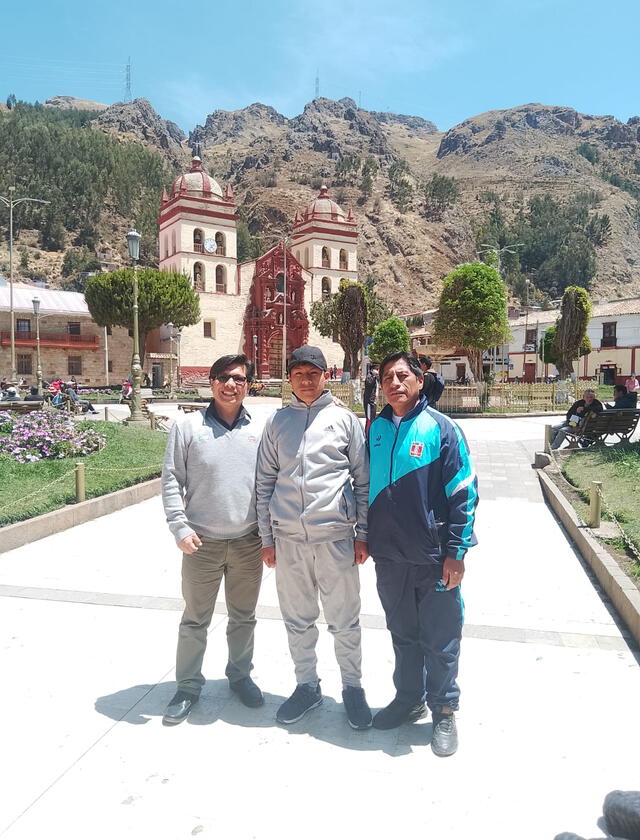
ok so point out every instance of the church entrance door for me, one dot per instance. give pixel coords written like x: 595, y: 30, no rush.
x: 275, y: 358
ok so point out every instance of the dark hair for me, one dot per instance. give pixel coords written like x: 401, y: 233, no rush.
x: 414, y: 365
x: 34, y: 390
x: 224, y: 362
x: 425, y: 360
x: 622, y: 389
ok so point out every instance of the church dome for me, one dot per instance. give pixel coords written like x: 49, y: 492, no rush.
x: 196, y: 182
x: 323, y: 207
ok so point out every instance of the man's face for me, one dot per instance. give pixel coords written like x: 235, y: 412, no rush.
x: 307, y: 382
x: 233, y: 391
x: 400, y: 386
x: 588, y: 397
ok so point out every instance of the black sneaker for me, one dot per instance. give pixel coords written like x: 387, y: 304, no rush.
x: 397, y: 713
x: 444, y: 740
x: 303, y: 699
x: 248, y: 692
x: 179, y: 708
x: 356, y: 707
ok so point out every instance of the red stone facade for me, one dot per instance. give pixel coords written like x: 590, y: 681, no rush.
x: 264, y: 314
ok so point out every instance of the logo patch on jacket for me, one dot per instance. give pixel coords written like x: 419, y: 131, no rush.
x: 416, y: 449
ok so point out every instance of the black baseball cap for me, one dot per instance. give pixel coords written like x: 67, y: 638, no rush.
x: 307, y: 355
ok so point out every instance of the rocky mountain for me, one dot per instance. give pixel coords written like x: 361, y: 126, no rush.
x: 277, y: 164
x: 73, y: 102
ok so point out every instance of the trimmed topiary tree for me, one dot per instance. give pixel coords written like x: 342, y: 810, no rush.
x: 571, y: 328
x: 391, y: 336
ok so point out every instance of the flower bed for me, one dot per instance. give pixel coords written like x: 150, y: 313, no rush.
x: 46, y: 434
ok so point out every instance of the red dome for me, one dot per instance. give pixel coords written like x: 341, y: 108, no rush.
x: 325, y: 208
x: 196, y: 182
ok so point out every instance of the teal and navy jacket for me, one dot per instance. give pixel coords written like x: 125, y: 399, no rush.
x: 423, y: 489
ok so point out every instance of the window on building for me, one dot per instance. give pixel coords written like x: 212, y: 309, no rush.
x: 221, y: 249
x: 166, y: 246
x: 221, y: 279
x: 326, y: 260
x: 609, y: 334
x: 209, y: 329
x: 343, y: 260
x: 280, y: 283
x: 109, y: 330
x: 197, y: 240
x: 75, y: 366
x: 23, y: 325
x: 198, y: 277
x: 326, y: 288
x: 73, y: 327
x: 130, y: 333
x: 530, y: 339
x: 24, y: 364
x: 306, y: 258
x: 173, y: 241
x: 110, y: 366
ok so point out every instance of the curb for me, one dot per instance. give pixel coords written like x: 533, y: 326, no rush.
x: 21, y: 533
x: 623, y: 593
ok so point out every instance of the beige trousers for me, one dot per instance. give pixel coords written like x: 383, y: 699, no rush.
x: 240, y: 562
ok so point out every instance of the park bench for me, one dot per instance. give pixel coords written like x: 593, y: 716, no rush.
x: 21, y: 406
x: 190, y: 406
x: 597, y: 427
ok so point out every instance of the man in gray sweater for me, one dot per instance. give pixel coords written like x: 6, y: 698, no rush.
x: 208, y: 492
x: 311, y: 491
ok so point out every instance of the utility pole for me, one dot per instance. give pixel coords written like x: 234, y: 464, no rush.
x: 127, y: 81
x: 12, y: 202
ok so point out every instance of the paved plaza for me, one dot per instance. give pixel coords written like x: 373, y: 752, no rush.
x: 89, y: 621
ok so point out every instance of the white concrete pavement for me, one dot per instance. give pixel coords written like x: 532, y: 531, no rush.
x: 89, y: 619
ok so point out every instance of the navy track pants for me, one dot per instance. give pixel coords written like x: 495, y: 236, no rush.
x: 425, y: 621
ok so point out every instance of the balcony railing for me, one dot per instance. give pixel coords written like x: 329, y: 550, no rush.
x: 28, y: 339
x: 198, y: 247
x: 608, y: 341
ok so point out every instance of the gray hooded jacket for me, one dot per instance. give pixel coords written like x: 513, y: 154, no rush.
x: 312, y: 474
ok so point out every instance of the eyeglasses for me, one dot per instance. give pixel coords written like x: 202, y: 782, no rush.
x: 225, y: 377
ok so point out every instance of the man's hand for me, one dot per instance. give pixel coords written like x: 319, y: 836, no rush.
x: 452, y: 572
x: 269, y: 556
x: 361, y: 552
x: 190, y: 544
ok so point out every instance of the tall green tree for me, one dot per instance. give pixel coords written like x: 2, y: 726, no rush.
x: 472, y: 312
x: 163, y: 297
x: 571, y: 328
x: 547, y: 350
x: 391, y: 336
x: 440, y: 193
x: 348, y: 317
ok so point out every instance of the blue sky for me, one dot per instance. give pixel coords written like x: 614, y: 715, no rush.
x: 441, y: 61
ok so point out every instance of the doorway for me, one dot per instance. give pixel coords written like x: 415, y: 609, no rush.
x: 529, y: 372
x: 156, y: 376
x: 608, y: 374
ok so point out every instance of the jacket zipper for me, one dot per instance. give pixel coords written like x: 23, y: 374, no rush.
x: 302, y: 473
x: 391, y: 456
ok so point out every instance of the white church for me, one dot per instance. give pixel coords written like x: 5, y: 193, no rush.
x: 242, y: 305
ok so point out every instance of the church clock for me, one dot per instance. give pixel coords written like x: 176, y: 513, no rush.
x: 209, y: 245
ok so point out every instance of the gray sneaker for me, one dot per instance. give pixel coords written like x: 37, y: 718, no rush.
x: 303, y: 699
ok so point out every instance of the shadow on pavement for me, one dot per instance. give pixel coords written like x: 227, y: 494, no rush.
x: 140, y: 704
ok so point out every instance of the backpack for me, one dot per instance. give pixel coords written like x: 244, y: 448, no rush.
x: 434, y: 390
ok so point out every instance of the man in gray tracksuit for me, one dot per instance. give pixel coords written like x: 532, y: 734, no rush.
x: 311, y: 493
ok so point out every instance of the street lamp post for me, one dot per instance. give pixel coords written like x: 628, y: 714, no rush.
x: 172, y: 393
x: 12, y: 202
x: 255, y: 355
x: 285, y: 242
x: 178, y: 337
x: 133, y: 244
x: 36, y: 311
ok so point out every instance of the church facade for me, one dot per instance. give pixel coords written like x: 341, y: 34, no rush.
x: 245, y: 307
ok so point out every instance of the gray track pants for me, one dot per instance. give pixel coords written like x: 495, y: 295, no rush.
x: 240, y: 562
x: 302, y: 571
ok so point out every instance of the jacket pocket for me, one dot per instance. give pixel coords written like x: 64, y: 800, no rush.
x: 348, y: 504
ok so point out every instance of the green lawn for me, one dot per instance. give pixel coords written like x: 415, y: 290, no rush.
x: 130, y: 456
x: 618, y: 468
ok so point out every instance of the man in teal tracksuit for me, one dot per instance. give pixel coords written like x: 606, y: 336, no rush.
x: 422, y: 500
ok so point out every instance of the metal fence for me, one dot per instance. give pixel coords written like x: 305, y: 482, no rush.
x: 481, y: 398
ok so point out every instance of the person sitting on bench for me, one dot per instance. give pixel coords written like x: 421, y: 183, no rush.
x: 623, y: 398
x: 576, y: 413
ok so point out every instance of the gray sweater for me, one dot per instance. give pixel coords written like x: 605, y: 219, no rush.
x: 313, y: 474
x: 208, y: 477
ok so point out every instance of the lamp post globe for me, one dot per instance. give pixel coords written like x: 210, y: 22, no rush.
x: 133, y: 245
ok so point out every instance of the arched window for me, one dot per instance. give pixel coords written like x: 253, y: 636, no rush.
x: 221, y: 250
x: 280, y: 283
x: 306, y: 258
x: 326, y: 288
x: 173, y: 241
x: 198, y: 277
x: 343, y: 260
x: 221, y: 279
x: 326, y: 261
x: 197, y: 240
